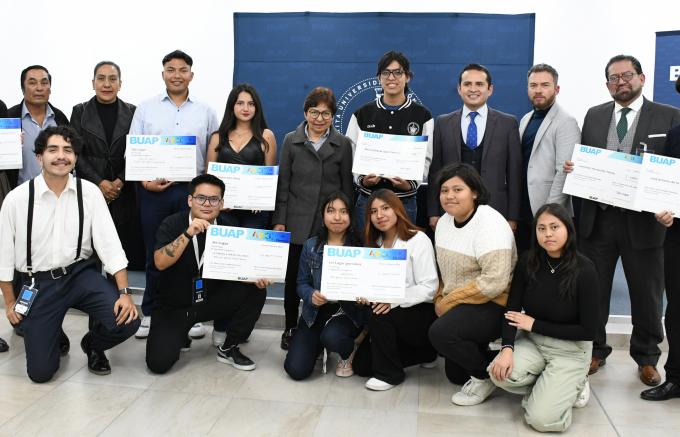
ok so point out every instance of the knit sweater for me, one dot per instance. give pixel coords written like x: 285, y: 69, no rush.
x: 475, y: 260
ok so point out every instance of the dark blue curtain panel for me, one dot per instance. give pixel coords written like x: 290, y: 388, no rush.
x: 285, y: 55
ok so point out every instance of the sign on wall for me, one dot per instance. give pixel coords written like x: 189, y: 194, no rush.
x: 667, y: 67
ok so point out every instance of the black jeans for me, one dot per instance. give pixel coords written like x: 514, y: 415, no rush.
x: 84, y: 289
x: 396, y: 340
x: 239, y: 302
x: 462, y: 336
x: 672, y: 321
x: 291, y: 300
x: 336, y: 334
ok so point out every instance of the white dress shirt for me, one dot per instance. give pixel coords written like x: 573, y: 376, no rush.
x: 55, y: 229
x: 160, y: 116
x: 480, y: 121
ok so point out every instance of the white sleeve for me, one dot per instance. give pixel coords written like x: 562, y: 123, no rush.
x: 7, y: 230
x: 104, y: 235
x: 422, y: 286
x: 353, y: 132
x: 428, y: 130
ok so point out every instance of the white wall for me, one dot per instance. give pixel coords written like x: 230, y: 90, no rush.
x: 70, y: 36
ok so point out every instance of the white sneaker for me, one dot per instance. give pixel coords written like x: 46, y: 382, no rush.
x: 376, y: 384
x: 143, y: 330
x: 474, y: 392
x: 344, y: 368
x: 218, y: 337
x: 583, y: 396
x: 197, y: 331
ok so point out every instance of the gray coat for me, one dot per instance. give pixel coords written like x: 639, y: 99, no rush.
x: 554, y: 144
x: 306, y: 177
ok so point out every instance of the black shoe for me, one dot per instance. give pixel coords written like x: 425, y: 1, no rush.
x: 286, y: 338
x: 187, y: 345
x: 18, y: 330
x: 3, y: 346
x: 233, y: 356
x: 96, y: 360
x: 665, y: 391
x: 64, y: 344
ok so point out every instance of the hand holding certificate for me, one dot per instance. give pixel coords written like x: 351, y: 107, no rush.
x: 10, y: 143
x: 390, y: 155
x: 149, y: 157
x: 247, y: 186
x: 376, y: 274
x: 604, y: 176
x: 241, y: 254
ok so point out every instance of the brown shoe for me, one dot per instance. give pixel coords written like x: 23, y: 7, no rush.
x: 595, y: 364
x: 649, y: 375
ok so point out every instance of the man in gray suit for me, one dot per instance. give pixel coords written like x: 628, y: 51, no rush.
x: 630, y: 124
x: 548, y: 136
x: 482, y: 137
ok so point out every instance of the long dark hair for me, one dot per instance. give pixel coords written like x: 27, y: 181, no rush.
x: 405, y: 228
x: 569, y: 259
x: 322, y: 232
x: 257, y: 124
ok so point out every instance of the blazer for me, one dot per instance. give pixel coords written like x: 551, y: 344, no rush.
x: 672, y: 148
x: 554, y: 144
x: 501, y: 160
x: 98, y: 159
x: 655, y: 119
x: 306, y: 177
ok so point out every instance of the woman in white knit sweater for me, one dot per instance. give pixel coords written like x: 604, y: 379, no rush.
x: 476, y: 255
x: 398, y: 331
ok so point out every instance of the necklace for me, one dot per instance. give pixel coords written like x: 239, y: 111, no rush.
x: 552, y: 269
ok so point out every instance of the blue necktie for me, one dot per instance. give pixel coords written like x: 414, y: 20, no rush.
x: 471, y: 140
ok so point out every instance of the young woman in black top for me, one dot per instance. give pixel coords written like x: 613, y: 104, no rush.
x: 556, y: 287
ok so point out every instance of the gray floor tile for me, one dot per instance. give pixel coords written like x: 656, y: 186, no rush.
x: 343, y: 422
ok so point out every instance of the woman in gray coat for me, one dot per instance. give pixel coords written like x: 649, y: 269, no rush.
x: 315, y: 161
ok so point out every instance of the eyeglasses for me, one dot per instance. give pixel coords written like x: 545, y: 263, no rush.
x: 385, y: 74
x: 212, y: 200
x: 326, y: 115
x: 627, y: 77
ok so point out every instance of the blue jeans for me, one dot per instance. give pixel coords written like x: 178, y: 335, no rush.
x: 360, y: 211
x: 337, y: 336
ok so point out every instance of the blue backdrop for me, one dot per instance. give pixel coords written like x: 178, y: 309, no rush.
x: 285, y: 55
x: 667, y: 67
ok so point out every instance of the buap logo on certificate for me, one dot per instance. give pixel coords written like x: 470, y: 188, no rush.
x: 250, y: 187
x: 149, y: 157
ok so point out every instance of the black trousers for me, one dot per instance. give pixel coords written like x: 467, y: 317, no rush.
x: 462, y: 336
x: 396, y: 340
x: 239, y: 302
x: 672, y: 321
x: 84, y: 289
x: 644, y: 275
x: 291, y: 300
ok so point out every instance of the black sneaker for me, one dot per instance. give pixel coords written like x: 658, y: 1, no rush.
x: 65, y: 345
x: 232, y: 355
x: 3, y: 346
x: 187, y: 345
x: 286, y: 338
x: 97, y: 362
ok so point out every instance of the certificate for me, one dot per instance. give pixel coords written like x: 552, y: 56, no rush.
x: 10, y: 143
x: 247, y: 186
x: 242, y: 254
x: 659, y: 188
x: 149, y: 157
x: 390, y: 155
x: 376, y: 274
x: 604, y: 176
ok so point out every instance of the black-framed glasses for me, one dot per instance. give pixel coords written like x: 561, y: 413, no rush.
x: 398, y: 73
x: 627, y: 77
x: 326, y: 115
x: 212, y: 200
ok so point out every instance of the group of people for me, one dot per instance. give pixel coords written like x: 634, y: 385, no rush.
x: 495, y: 191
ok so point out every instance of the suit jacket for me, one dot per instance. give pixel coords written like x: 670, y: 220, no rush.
x: 672, y: 148
x: 501, y: 160
x: 307, y: 177
x: 655, y: 119
x: 553, y: 145
x: 100, y: 160
x: 15, y: 112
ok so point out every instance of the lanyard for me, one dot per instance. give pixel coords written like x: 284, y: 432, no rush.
x: 194, y: 241
x: 29, y: 224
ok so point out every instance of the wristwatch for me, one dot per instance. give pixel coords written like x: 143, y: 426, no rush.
x: 125, y: 290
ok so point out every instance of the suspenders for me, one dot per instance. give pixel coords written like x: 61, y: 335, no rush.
x: 29, y: 224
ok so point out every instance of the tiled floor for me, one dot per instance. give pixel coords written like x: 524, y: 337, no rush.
x: 203, y: 397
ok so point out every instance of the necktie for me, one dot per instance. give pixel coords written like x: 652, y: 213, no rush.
x: 622, y: 125
x: 471, y: 140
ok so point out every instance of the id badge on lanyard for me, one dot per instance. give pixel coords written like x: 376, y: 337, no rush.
x: 26, y: 298
x: 198, y: 293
